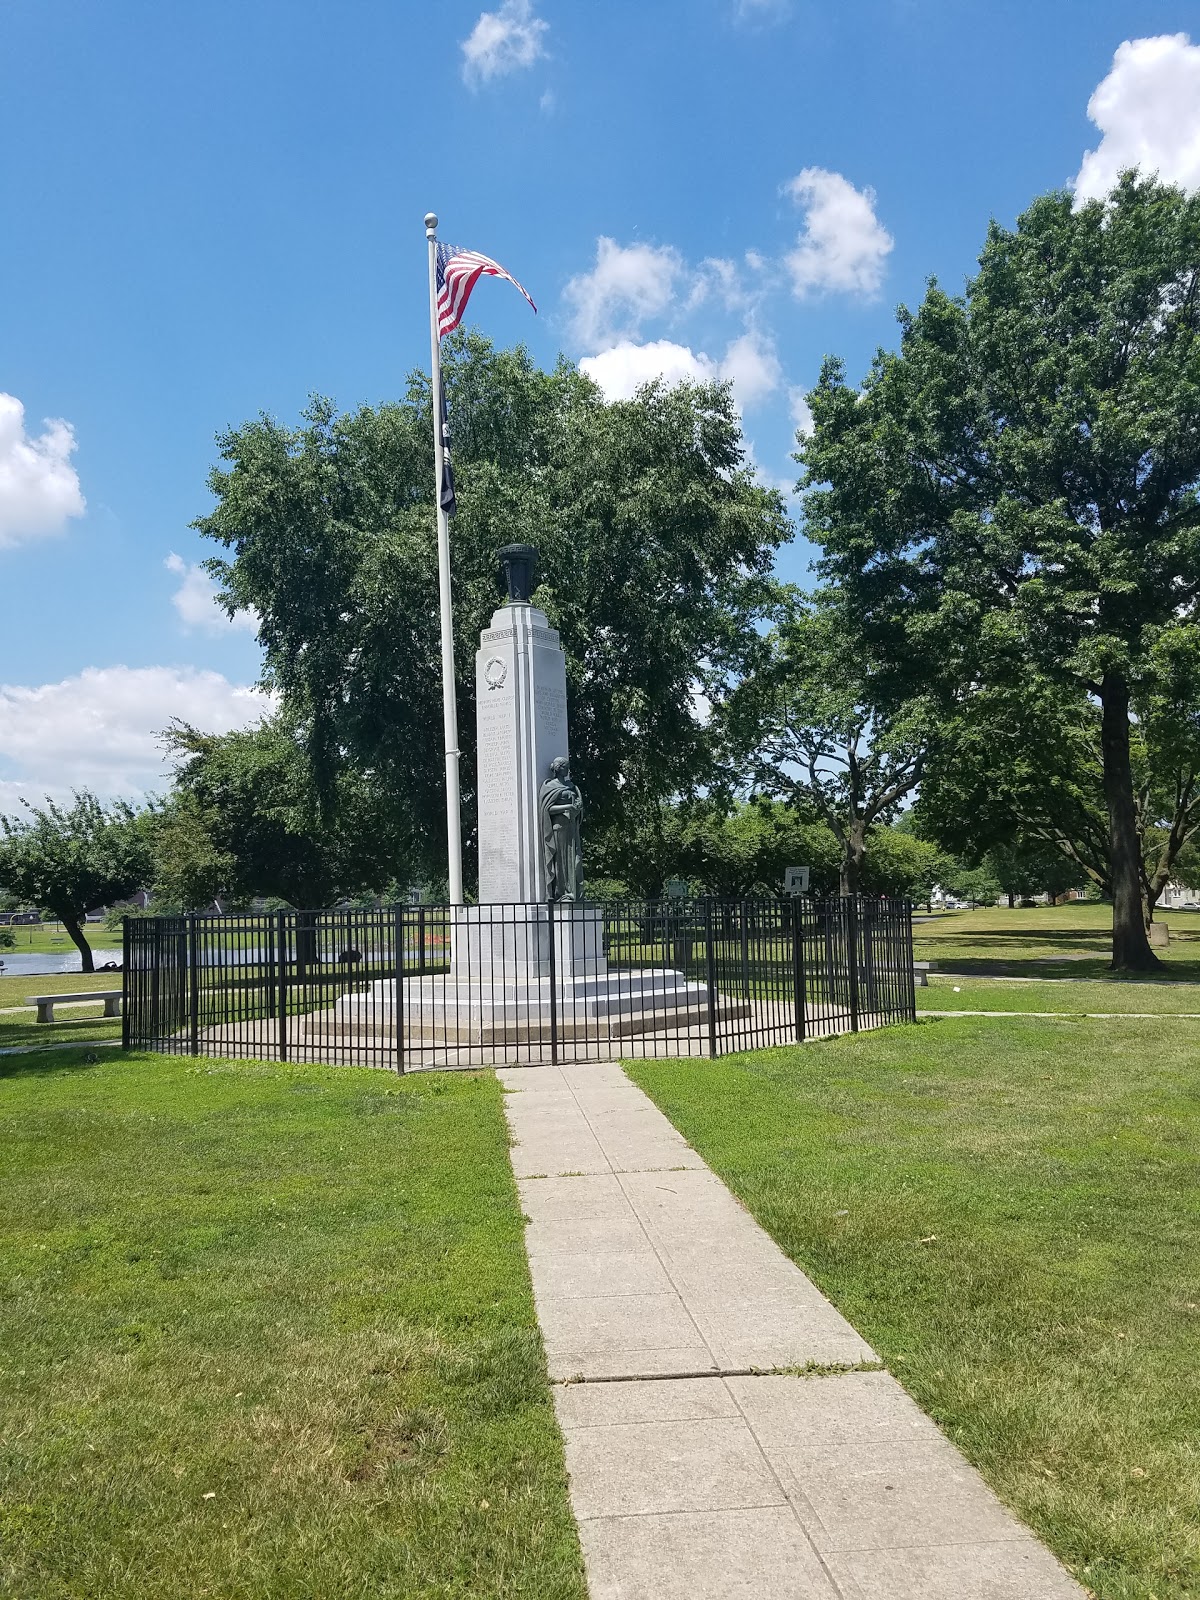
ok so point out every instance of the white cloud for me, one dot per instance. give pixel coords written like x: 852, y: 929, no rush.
x: 844, y: 246
x: 100, y: 729
x: 39, y: 488
x: 753, y: 368
x: 750, y: 364
x: 503, y: 41
x: 621, y: 370
x: 802, y: 417
x: 1148, y: 109
x: 628, y: 284
x: 196, y: 601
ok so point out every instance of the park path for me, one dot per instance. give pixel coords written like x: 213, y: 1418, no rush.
x: 698, y: 1469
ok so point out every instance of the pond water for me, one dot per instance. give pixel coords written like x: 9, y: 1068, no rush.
x: 34, y: 962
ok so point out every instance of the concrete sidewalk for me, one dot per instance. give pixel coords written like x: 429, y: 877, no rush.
x: 698, y: 1469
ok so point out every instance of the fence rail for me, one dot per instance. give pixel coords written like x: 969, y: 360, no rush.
x: 408, y: 987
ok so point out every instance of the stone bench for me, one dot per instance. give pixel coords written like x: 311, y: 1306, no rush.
x: 46, y: 1003
x: 921, y: 971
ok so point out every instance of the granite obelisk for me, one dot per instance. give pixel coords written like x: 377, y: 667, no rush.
x: 521, y: 719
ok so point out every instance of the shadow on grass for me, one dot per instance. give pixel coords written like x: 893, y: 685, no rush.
x: 54, y: 1058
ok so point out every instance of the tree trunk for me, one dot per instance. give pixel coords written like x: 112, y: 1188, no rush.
x: 1012, y: 899
x: 87, y: 964
x: 1131, y: 947
x: 850, y: 875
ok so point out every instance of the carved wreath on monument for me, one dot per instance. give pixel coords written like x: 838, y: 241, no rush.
x: 495, y: 671
x: 560, y: 812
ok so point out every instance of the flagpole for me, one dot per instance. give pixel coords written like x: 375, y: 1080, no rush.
x: 449, y: 700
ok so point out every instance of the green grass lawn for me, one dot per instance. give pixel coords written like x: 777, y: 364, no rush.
x: 86, y: 1022
x: 15, y: 989
x: 948, y: 993
x: 267, y: 1331
x: 74, y: 1023
x: 52, y: 938
x: 1008, y: 1212
x: 1069, y: 941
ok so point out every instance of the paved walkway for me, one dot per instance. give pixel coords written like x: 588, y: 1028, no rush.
x: 698, y: 1470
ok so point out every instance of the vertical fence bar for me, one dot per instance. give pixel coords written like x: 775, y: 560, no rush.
x: 798, y: 995
x: 710, y: 964
x: 126, y: 945
x: 281, y: 968
x: 266, y: 933
x: 851, y: 904
x: 553, y: 986
x: 910, y: 974
x: 193, y: 959
x: 156, y: 986
x: 398, y: 1003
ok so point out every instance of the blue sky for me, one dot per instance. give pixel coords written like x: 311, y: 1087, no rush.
x: 215, y: 210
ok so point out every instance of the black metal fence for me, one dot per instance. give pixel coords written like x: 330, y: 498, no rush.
x: 417, y: 986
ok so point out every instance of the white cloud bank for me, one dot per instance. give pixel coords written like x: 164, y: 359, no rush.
x: 631, y: 284
x: 844, y: 247
x: 39, y: 488
x: 628, y: 284
x: 1148, y: 109
x: 196, y: 601
x: 100, y: 729
x: 503, y: 41
x: 749, y: 363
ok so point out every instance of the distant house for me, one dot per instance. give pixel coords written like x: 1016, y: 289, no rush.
x: 135, y: 902
x: 1178, y: 897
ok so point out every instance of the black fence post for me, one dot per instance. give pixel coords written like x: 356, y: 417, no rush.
x: 126, y: 944
x: 710, y: 964
x: 194, y: 984
x: 745, y: 916
x: 851, y: 904
x: 268, y: 934
x: 156, y: 987
x: 421, y: 938
x: 398, y: 1005
x: 909, y: 976
x: 281, y: 966
x: 798, y: 994
x: 553, y: 986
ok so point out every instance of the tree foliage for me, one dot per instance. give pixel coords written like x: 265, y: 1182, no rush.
x: 244, y: 820
x: 810, y: 723
x: 1013, y: 496
x: 71, y: 859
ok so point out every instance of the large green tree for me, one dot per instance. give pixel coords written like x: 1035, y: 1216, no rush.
x: 1019, y: 774
x: 810, y: 725
x: 244, y: 820
x: 72, y: 859
x: 1015, y: 491
x: 655, y: 546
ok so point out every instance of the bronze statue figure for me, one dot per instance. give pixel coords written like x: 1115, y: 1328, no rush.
x: 560, y: 812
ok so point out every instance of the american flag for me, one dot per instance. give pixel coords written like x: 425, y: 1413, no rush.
x: 458, y: 271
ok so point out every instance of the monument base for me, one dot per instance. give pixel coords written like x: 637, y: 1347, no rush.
x: 451, y: 1009
x: 490, y: 943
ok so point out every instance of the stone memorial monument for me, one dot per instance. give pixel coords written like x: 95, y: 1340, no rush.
x: 533, y: 926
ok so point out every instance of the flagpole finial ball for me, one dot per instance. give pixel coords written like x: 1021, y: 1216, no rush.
x: 431, y: 222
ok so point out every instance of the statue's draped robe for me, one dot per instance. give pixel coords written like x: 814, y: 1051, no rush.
x: 560, y: 810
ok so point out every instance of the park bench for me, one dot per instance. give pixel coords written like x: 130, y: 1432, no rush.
x: 921, y: 971
x: 46, y: 1003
